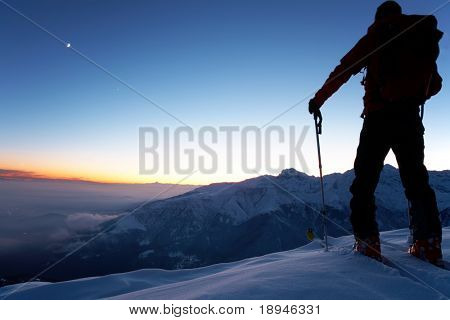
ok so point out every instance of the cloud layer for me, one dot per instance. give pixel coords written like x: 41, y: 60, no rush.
x: 19, y: 174
x: 80, y: 222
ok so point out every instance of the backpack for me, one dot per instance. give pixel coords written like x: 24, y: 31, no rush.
x: 404, y: 65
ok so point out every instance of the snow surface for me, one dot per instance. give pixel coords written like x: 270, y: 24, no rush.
x: 304, y: 273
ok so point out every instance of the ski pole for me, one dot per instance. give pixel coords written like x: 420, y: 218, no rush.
x: 318, y: 126
x: 410, y: 236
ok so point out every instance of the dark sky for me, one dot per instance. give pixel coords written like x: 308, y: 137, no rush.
x: 206, y: 62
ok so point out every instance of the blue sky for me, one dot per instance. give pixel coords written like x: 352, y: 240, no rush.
x: 207, y: 62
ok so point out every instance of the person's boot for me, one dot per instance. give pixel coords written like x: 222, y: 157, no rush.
x: 428, y: 250
x: 369, y: 247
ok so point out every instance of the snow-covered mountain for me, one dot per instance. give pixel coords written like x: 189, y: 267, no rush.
x: 303, y: 273
x: 232, y: 221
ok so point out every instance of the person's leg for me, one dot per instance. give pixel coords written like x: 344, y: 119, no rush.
x: 369, y: 161
x: 408, y: 147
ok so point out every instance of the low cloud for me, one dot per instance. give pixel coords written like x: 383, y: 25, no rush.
x: 60, y: 234
x: 19, y: 174
x: 80, y: 222
x: 50, y: 233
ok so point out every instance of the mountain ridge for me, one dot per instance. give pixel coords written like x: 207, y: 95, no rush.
x: 228, y: 222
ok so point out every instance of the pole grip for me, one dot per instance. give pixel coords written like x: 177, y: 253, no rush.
x: 318, y: 121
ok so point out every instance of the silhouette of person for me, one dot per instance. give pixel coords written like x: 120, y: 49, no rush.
x: 394, y: 92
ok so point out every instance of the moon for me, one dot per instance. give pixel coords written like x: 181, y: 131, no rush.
x: 68, y: 45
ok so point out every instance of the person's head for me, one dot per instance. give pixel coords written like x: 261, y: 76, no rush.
x: 388, y: 9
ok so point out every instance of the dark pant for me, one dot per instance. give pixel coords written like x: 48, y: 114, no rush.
x: 398, y: 128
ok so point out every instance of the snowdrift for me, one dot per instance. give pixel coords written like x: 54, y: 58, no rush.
x: 304, y: 273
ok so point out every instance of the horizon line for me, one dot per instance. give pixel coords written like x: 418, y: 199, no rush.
x: 22, y: 175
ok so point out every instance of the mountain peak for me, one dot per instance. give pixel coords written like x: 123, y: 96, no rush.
x: 292, y: 173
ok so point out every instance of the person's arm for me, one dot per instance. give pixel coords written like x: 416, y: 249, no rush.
x: 352, y: 63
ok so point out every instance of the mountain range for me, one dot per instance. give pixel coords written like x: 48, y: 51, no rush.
x: 228, y: 222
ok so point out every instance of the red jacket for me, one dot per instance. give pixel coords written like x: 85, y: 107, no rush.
x: 384, y: 39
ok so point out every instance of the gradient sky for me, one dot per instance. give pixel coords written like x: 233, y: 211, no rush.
x: 214, y: 63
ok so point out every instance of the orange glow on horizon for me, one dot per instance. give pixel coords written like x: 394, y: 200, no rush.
x: 123, y: 178
x: 92, y: 177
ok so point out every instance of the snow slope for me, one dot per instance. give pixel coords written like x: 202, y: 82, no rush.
x: 304, y: 273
